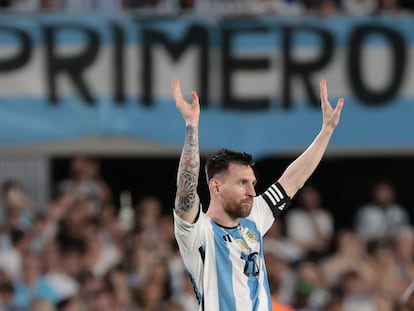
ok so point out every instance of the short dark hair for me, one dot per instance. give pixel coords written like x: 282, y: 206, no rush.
x: 220, y: 161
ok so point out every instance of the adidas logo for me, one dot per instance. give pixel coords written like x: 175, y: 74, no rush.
x: 227, y: 238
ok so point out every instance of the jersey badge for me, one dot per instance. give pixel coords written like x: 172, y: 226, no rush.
x: 243, y: 246
x: 250, y: 235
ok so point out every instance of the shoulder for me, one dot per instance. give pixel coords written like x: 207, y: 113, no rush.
x: 201, y: 221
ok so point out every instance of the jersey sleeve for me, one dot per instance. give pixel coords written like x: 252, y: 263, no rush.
x: 189, y: 236
x: 268, y: 206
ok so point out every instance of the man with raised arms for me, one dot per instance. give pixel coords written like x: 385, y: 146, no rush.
x: 222, y: 249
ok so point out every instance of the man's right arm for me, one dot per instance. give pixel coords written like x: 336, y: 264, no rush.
x: 186, y: 200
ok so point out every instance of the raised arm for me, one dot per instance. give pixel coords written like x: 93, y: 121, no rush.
x: 186, y: 200
x: 301, y: 169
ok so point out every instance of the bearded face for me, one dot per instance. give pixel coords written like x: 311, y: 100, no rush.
x: 238, y: 208
x: 237, y: 190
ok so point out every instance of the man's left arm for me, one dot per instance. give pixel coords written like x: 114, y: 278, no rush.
x: 302, y: 168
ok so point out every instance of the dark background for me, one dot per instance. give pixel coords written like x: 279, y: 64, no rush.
x: 344, y: 182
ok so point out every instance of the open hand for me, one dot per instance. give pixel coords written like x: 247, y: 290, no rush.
x: 330, y: 115
x: 190, y: 112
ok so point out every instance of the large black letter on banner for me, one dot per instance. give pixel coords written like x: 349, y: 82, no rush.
x: 195, y: 35
x: 301, y: 68
x: 397, y: 44
x: 231, y: 64
x: 23, y: 55
x: 73, y: 65
x: 118, y: 64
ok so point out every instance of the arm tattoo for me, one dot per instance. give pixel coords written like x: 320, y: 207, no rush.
x: 187, y: 177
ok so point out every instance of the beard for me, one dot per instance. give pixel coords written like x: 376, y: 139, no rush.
x: 239, y: 209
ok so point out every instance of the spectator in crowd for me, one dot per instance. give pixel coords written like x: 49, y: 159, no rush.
x: 111, y: 227
x: 24, y: 5
x: 123, y: 293
x: 102, y: 299
x: 65, y: 286
x: 309, y: 225
x: 350, y: 254
x: 17, y: 208
x: 147, y: 218
x: 355, y: 292
x: 326, y: 8
x: 151, y: 297
x: 85, y: 180
x: 288, y: 7
x: 11, y: 258
x: 32, y: 285
x: 140, y: 265
x: 360, y: 7
x: 383, y: 217
x: 42, y: 232
x: 311, y: 292
x: 276, y: 241
x: 100, y: 255
x: 90, y: 286
x: 384, y: 266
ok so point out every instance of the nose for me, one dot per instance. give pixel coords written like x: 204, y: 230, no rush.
x: 251, y: 192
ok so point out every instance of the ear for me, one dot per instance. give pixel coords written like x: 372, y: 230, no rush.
x: 214, y: 186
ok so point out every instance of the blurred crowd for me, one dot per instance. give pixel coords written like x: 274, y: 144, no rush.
x: 282, y: 7
x: 87, y: 252
x: 83, y: 253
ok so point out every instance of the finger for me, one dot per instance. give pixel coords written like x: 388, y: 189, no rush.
x: 323, y: 91
x: 194, y: 97
x: 339, y: 106
x: 176, y: 90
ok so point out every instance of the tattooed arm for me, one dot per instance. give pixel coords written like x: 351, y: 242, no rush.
x: 186, y: 200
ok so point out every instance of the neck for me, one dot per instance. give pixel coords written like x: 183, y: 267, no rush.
x: 218, y: 215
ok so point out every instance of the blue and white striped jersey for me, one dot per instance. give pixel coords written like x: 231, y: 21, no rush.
x: 226, y: 265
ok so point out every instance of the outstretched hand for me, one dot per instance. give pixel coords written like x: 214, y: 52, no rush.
x: 330, y: 115
x: 190, y: 112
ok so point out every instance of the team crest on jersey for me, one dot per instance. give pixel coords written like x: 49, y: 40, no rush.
x: 242, y: 244
x: 250, y: 235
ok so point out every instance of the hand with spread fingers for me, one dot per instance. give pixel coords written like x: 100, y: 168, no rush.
x: 190, y: 112
x: 330, y: 115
